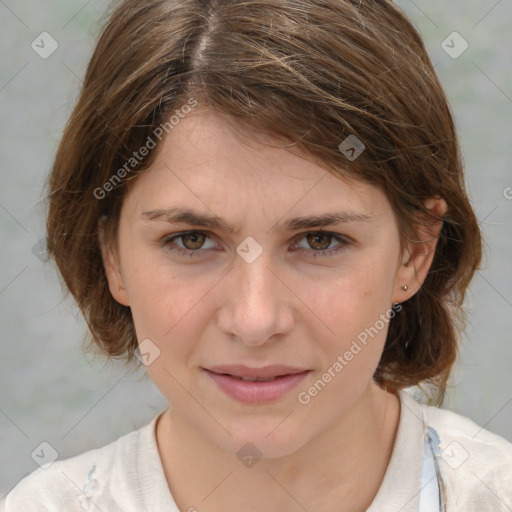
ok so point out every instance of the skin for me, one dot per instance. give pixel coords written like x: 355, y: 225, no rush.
x: 285, y: 307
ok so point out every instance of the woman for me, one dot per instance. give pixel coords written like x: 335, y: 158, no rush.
x: 264, y: 203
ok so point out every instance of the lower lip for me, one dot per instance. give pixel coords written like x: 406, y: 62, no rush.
x: 256, y: 392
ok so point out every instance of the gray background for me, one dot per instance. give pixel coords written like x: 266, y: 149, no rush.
x: 51, y: 392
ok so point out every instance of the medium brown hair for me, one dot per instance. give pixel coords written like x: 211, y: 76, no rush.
x: 310, y: 72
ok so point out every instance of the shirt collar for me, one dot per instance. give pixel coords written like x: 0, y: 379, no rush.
x: 401, y: 486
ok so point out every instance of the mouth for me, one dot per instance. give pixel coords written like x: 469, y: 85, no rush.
x: 255, y: 379
x: 262, y: 374
x: 256, y: 385
x: 252, y: 379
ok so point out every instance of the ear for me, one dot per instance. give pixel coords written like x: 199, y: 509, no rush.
x: 419, y: 253
x: 112, y: 268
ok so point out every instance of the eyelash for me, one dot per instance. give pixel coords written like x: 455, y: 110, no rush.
x: 344, y: 242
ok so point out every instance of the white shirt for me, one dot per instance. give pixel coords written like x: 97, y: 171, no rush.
x: 440, y: 462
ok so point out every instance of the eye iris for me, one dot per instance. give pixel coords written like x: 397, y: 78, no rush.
x: 312, y: 240
x: 196, y: 244
x: 319, y: 241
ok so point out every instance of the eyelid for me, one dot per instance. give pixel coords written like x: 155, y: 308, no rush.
x: 343, y: 240
x: 297, y: 237
x: 168, y: 238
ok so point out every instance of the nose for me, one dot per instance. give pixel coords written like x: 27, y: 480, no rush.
x: 256, y: 305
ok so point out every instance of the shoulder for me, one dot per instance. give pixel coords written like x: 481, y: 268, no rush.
x: 106, y: 474
x: 476, y: 440
x: 475, y: 463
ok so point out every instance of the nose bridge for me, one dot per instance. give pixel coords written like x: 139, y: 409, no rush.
x: 254, y: 305
x: 257, y: 281
x: 252, y: 271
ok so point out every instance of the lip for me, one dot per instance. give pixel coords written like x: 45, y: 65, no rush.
x: 256, y: 392
x: 265, y: 372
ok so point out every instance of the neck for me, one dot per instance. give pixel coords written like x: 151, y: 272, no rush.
x: 345, y: 464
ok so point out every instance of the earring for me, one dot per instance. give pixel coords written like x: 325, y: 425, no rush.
x: 405, y: 287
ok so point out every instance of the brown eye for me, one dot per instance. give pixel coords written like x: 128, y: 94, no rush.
x: 319, y: 241
x: 190, y: 243
x: 193, y: 241
x: 321, y: 244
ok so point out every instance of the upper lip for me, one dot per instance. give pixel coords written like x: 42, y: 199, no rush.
x: 265, y: 372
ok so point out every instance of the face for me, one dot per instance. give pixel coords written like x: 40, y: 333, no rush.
x: 255, y: 288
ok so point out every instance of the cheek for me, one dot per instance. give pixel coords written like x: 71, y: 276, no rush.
x: 161, y: 303
x: 167, y: 306
x: 352, y: 299
x: 171, y: 312
x: 355, y: 309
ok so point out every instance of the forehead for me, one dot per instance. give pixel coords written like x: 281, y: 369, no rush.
x: 206, y: 162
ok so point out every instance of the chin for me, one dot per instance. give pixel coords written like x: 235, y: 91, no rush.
x: 256, y: 438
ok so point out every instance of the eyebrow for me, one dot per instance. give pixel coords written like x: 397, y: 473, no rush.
x: 194, y: 218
